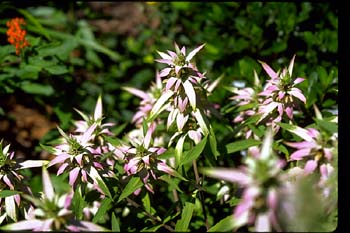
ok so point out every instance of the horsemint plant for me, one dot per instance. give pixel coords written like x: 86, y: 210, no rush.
x: 52, y: 212
x: 262, y: 178
x: 81, y: 152
x: 12, y: 184
x: 95, y: 159
x: 278, y: 96
x: 184, y: 97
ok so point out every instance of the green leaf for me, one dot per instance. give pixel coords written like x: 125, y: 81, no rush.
x: 104, y: 207
x: 7, y: 193
x: 146, y: 203
x: 225, y: 225
x: 36, y: 23
x: 38, y: 89
x: 57, y: 69
x: 48, y: 148
x: 29, y: 72
x: 324, y: 78
x: 152, y: 229
x: 194, y: 152
x: 213, y: 143
x: 133, y: 184
x: 303, y: 133
x: 330, y: 127
x: 96, y: 177
x: 78, y: 204
x: 186, y: 215
x: 115, y: 224
x: 171, y: 181
x: 241, y: 145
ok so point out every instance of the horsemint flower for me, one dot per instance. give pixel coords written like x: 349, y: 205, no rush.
x: 16, y: 35
x: 101, y: 129
x: 317, y: 149
x: 148, y: 99
x: 10, y: 179
x: 76, y: 154
x: 247, y: 101
x: 280, y: 93
x: 142, y: 159
x: 185, y: 94
x: 262, y: 180
x: 52, y: 212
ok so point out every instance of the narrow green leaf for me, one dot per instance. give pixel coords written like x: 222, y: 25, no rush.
x: 104, y: 207
x: 7, y: 193
x: 115, y: 224
x: 194, y: 152
x: 213, y: 143
x: 241, y: 145
x: 151, y: 229
x: 186, y: 215
x: 225, y: 225
x: 132, y: 186
x: 35, y: 22
x: 48, y: 148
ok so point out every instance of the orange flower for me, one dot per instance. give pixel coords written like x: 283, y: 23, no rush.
x: 16, y: 35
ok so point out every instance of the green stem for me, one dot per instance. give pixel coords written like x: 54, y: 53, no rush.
x: 200, y: 191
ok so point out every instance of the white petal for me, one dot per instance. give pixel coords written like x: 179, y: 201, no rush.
x: 201, y: 122
x: 10, y: 207
x: 179, y: 149
x: 98, y: 108
x: 193, y: 52
x: 164, y: 55
x: 290, y: 68
x: 160, y: 102
x: 33, y: 163
x: 262, y: 223
x: 23, y: 225
x: 47, y: 185
x: 191, y: 94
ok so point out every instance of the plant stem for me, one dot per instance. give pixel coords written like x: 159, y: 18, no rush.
x: 169, y: 228
x: 200, y: 191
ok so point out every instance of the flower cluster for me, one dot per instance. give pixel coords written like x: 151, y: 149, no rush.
x: 183, y: 94
x: 317, y: 151
x: 16, y: 35
x: 262, y: 180
x: 142, y: 159
x: 278, y: 97
x: 11, y: 179
x: 80, y: 152
x: 52, y: 212
x: 280, y: 93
